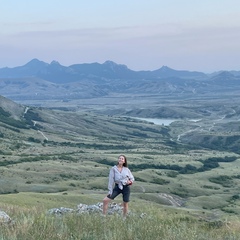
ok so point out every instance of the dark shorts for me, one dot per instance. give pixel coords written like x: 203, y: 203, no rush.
x: 125, y: 192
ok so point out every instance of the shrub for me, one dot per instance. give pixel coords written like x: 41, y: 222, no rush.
x: 223, y: 180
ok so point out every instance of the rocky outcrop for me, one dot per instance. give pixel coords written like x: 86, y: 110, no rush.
x: 113, y: 208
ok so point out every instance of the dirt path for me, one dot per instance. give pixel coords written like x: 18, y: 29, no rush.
x: 200, y: 128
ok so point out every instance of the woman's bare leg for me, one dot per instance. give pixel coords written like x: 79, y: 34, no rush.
x: 125, y: 208
x: 106, y: 201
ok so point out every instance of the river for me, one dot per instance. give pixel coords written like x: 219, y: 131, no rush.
x: 165, y: 121
x: 158, y: 121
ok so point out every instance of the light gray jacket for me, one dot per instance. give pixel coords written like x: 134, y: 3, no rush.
x: 120, y: 178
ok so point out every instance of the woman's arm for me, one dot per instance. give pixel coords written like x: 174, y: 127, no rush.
x: 111, y: 181
x: 130, y: 177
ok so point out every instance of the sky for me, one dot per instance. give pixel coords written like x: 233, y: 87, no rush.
x: 141, y: 34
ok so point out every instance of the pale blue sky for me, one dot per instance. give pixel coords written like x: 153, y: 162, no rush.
x: 142, y: 34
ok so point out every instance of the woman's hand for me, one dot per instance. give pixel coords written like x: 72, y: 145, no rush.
x: 129, y: 182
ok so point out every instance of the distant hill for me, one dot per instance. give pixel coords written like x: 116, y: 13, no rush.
x: 12, y: 119
x: 38, y: 80
x: 11, y: 109
x: 55, y: 72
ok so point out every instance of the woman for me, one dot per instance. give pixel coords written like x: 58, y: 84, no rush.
x: 120, y: 179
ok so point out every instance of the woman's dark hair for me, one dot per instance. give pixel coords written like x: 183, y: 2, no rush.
x: 125, y: 164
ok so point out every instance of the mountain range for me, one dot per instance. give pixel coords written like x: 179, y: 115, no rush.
x: 43, y: 81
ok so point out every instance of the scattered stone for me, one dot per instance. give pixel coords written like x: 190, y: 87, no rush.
x: 4, y: 218
x: 143, y: 215
x: 60, y: 211
x: 83, y: 208
x: 113, y: 208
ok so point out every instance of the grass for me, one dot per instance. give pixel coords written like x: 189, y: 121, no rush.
x: 86, y: 174
x: 73, y: 166
x: 156, y: 223
x: 49, y: 200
